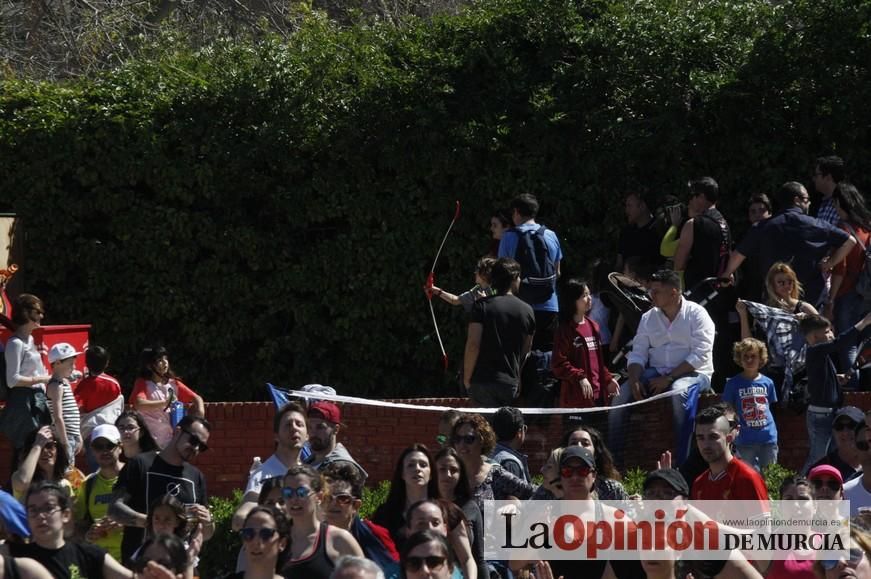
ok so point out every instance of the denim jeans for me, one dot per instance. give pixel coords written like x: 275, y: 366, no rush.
x: 848, y: 310
x: 758, y: 455
x: 819, y: 433
x: 618, y: 418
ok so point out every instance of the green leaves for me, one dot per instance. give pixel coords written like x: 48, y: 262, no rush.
x: 269, y: 210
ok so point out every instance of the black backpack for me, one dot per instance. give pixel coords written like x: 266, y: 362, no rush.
x: 537, y: 267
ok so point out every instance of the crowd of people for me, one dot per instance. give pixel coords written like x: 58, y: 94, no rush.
x: 780, y: 319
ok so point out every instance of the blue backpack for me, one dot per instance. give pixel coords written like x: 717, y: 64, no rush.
x: 537, y: 267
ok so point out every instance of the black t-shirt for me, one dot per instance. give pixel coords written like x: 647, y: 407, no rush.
x: 642, y: 241
x: 507, y: 322
x: 712, y: 242
x: 61, y: 563
x: 147, y: 477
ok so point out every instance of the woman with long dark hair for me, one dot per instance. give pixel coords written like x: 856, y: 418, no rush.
x: 848, y: 306
x: 155, y: 389
x: 415, y: 479
x: 43, y: 458
x: 578, y: 359
x: 265, y: 534
x: 454, y: 487
x: 608, y: 486
x: 26, y: 376
x: 135, y: 437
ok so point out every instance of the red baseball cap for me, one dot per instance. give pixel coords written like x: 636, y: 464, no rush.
x: 329, y: 411
x: 825, y: 470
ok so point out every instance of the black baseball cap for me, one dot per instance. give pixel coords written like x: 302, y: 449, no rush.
x: 578, y: 452
x: 671, y: 476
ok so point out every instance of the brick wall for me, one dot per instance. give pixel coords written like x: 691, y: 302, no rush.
x: 375, y: 436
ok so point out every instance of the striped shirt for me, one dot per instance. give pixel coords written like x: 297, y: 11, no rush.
x: 70, y: 411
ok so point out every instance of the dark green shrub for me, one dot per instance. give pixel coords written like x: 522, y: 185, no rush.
x: 269, y: 210
x: 218, y: 556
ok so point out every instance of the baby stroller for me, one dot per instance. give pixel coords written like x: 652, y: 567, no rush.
x: 631, y: 300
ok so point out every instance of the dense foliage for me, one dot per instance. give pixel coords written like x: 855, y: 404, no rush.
x: 269, y: 210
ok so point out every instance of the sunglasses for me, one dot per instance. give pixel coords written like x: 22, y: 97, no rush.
x: 294, y: 493
x: 469, y: 439
x: 839, y: 426
x: 831, y: 484
x: 432, y: 562
x: 195, y: 441
x: 104, y: 446
x: 856, y: 555
x: 264, y: 533
x: 343, y: 499
x: 568, y: 471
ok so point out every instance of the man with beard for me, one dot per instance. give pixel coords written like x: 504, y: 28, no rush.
x: 149, y: 476
x: 290, y: 434
x: 92, y: 502
x: 324, y: 421
x: 727, y: 477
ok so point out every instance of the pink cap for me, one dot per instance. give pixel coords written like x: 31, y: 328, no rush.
x: 823, y: 470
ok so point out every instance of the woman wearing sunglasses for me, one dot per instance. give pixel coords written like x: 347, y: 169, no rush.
x: 342, y: 502
x: 314, y: 546
x: 474, y: 440
x: 426, y: 555
x: 828, y: 489
x: 264, y: 539
x: 43, y: 459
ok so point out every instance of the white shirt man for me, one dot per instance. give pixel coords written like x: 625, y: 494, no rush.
x: 672, y: 350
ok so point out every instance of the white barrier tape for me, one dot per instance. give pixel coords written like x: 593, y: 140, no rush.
x: 433, y: 408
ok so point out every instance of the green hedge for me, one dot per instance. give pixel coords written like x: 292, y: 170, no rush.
x: 269, y: 211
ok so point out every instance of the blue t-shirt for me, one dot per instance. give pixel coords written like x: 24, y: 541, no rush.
x: 752, y: 399
x: 508, y: 248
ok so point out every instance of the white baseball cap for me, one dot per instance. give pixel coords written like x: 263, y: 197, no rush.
x: 61, y: 351
x: 107, y: 431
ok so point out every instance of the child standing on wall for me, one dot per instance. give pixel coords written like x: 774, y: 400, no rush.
x: 64, y: 410
x: 752, y: 394
x: 156, y: 389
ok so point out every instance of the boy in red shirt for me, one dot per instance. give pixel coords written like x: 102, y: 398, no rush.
x: 98, y: 396
x: 727, y: 477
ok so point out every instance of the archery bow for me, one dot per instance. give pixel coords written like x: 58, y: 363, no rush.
x: 430, y: 281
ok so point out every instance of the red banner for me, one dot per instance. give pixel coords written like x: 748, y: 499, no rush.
x: 47, y: 336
